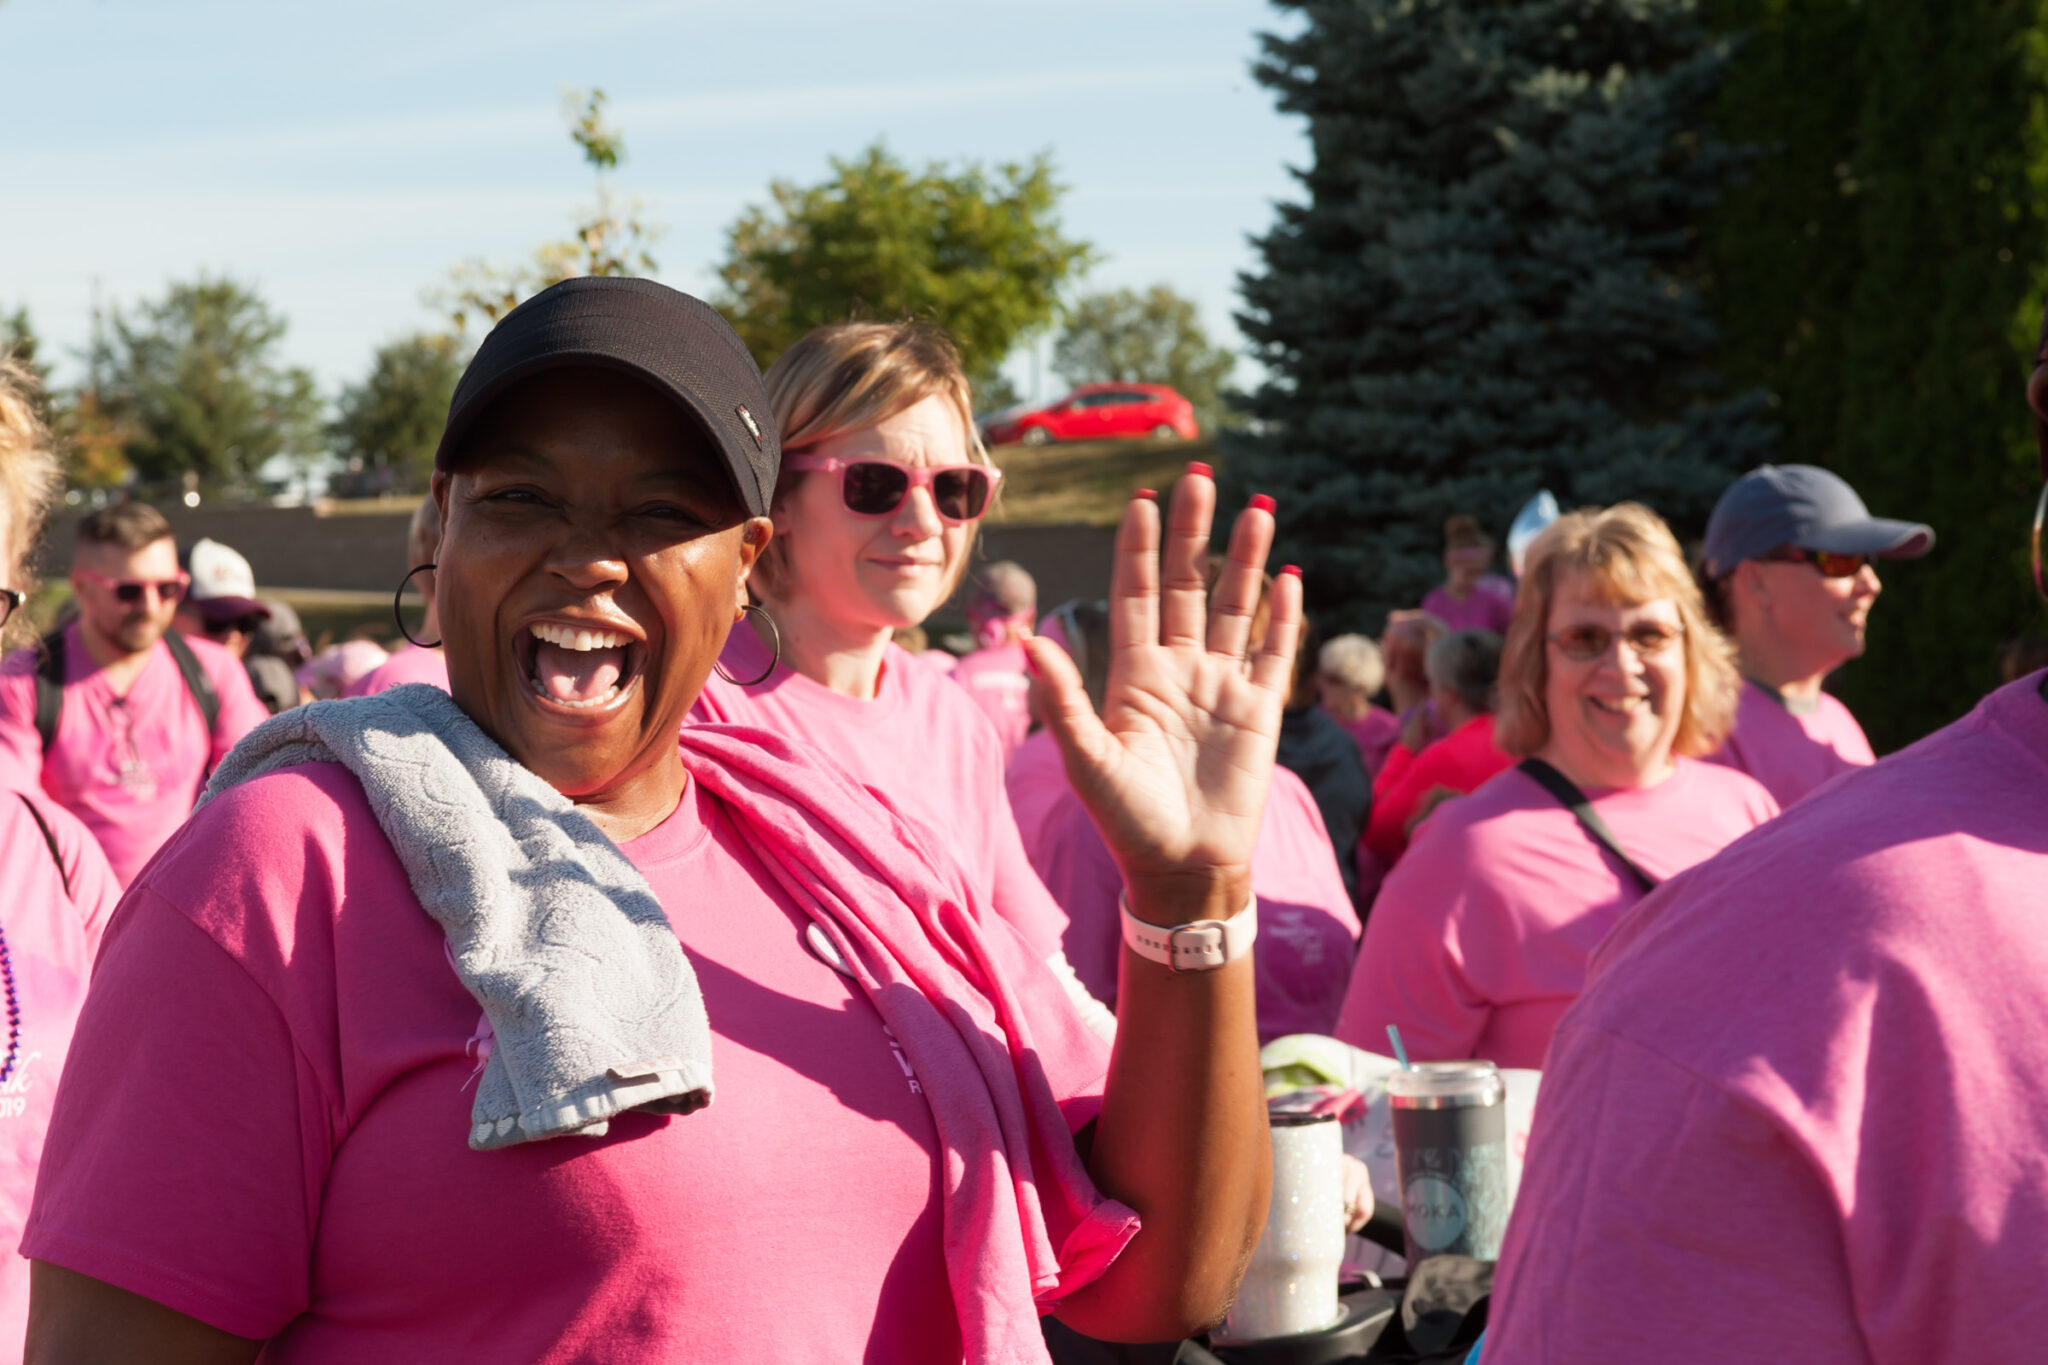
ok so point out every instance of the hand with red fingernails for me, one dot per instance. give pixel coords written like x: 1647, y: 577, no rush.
x: 1174, y: 771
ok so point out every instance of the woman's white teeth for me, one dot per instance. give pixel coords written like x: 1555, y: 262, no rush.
x: 1620, y: 704
x: 539, y: 691
x: 567, y: 637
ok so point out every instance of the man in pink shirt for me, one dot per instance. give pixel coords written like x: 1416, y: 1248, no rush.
x: 414, y: 662
x: 136, y: 716
x: 1797, y: 1114
x: 1789, y: 573
x: 1002, y: 602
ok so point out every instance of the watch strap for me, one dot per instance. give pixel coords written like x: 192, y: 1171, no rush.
x: 1201, y: 946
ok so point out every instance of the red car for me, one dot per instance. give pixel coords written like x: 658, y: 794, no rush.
x: 1096, y: 412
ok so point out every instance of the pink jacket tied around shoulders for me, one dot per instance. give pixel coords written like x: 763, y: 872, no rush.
x: 1024, y: 1224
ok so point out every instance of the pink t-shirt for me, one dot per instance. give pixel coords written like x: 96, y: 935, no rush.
x: 1376, y: 731
x: 129, y: 767
x: 1308, y: 929
x: 996, y: 679
x: 1798, y: 1113
x: 1489, y: 606
x: 1479, y: 939
x: 1791, y: 754
x: 265, y: 1124
x: 1036, y: 781
x: 407, y: 664
x: 920, y: 740
x: 52, y: 939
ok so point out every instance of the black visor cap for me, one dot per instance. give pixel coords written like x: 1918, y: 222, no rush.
x: 661, y: 336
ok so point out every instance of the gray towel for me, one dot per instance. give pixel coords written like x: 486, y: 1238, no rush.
x: 559, y: 938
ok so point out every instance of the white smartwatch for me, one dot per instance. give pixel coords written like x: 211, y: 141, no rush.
x: 1202, y: 946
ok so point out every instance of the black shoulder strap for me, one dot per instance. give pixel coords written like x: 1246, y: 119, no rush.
x: 196, y: 681
x: 50, y: 838
x: 1574, y: 800
x: 50, y: 688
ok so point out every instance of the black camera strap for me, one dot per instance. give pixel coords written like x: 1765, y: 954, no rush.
x: 1574, y: 800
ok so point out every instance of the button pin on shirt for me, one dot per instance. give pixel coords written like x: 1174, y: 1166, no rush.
x: 827, y: 951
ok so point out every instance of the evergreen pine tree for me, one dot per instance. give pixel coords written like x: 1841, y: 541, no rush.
x: 1490, y: 287
x: 1882, y: 275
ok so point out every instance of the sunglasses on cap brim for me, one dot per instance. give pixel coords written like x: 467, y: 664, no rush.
x: 1830, y: 563
x: 876, y: 488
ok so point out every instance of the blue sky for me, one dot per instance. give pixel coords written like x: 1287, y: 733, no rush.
x: 343, y: 156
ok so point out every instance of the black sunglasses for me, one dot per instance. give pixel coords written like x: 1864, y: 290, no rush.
x: 10, y: 602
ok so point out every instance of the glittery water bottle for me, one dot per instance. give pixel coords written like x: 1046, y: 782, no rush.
x: 1291, y: 1284
x: 1451, y: 1152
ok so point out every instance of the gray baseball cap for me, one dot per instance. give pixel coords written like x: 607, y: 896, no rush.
x: 1774, y: 506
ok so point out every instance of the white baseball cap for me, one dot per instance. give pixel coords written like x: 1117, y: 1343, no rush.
x: 223, y: 584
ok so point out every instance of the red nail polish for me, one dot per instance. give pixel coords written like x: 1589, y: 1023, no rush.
x: 1294, y: 569
x: 1197, y: 467
x: 1149, y: 495
x: 1030, y: 664
x: 1261, y: 503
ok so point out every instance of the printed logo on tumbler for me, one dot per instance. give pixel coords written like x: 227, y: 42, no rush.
x: 1436, y: 1212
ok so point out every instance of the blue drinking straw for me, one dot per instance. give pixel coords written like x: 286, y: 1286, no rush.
x: 1400, y: 1053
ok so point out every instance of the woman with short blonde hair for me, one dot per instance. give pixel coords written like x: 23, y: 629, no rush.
x: 1613, y: 686
x: 850, y: 378
x: 884, y: 482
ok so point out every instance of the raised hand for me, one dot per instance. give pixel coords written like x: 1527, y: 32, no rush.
x: 1176, y: 768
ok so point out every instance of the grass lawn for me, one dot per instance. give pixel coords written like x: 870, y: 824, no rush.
x: 1088, y: 481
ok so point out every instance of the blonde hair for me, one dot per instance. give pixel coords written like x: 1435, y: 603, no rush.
x: 851, y: 376
x: 1629, y: 556
x: 1355, y: 662
x: 30, y: 477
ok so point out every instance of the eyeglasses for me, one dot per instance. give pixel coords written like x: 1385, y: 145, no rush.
x: 1586, y: 643
x: 130, y: 591
x: 1830, y: 564
x: 876, y: 488
x: 10, y: 602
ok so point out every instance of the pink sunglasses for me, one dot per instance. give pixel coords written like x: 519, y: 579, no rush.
x: 876, y: 488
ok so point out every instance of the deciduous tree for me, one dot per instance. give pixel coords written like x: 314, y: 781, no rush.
x: 977, y: 251
x: 1881, y: 273
x: 1155, y: 337
x: 388, y: 425
x: 612, y: 236
x: 198, y: 383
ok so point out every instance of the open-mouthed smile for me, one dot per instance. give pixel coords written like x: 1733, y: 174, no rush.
x: 578, y: 668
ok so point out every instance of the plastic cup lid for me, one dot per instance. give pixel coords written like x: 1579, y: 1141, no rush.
x: 1446, y: 1085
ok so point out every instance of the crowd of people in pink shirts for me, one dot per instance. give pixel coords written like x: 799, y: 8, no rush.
x: 970, y: 941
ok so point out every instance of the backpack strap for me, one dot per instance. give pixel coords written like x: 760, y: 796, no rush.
x: 196, y: 681
x: 50, y: 689
x: 50, y: 838
x: 1572, y: 799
